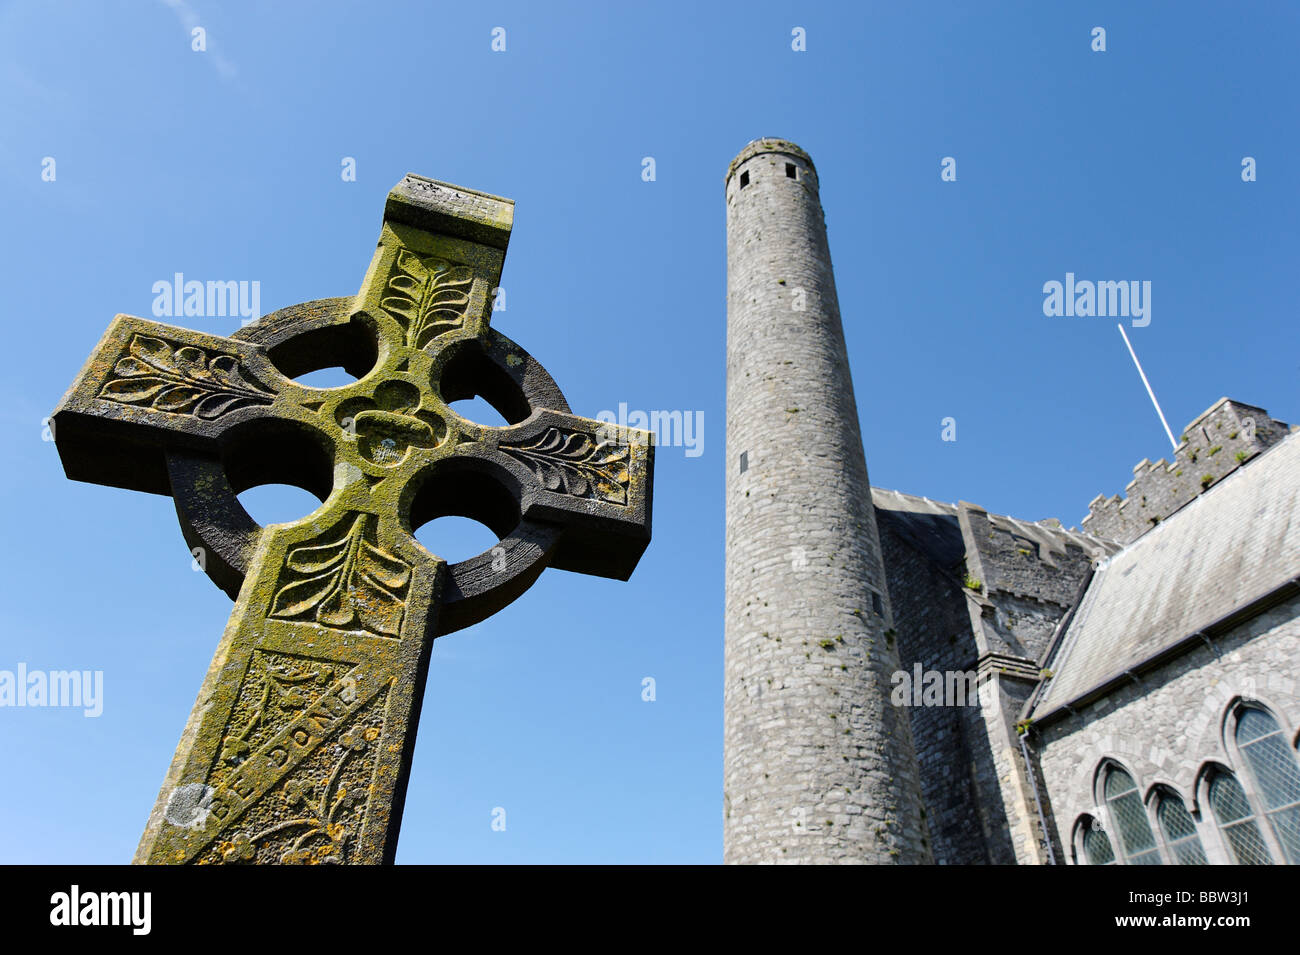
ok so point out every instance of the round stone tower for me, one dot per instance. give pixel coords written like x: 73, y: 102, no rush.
x: 819, y: 766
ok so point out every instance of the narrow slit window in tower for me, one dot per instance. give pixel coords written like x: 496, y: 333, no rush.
x: 789, y: 170
x: 744, y: 179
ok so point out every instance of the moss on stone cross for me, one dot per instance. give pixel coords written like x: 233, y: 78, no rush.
x: 299, y: 746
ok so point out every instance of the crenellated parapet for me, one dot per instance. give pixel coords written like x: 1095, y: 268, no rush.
x: 1222, y: 439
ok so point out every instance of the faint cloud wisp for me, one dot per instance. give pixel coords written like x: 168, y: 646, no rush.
x: 189, y: 19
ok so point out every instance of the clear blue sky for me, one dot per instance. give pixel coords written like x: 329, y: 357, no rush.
x: 225, y: 164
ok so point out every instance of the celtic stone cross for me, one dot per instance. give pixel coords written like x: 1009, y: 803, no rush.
x: 299, y: 746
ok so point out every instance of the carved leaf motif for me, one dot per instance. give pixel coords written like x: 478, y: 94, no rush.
x: 181, y: 381
x: 575, y: 463
x: 132, y: 391
x: 177, y: 399
x: 154, y: 352
x: 318, y: 558
x: 190, y: 362
x: 427, y: 297
x: 225, y: 369
x: 349, y: 583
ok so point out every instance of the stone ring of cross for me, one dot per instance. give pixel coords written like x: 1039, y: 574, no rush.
x: 395, y: 428
x: 335, y: 613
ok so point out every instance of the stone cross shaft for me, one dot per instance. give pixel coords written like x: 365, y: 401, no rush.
x: 299, y: 745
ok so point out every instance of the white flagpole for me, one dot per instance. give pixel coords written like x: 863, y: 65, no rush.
x: 1148, y: 384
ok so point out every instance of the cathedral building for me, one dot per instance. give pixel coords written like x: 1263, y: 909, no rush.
x: 921, y: 682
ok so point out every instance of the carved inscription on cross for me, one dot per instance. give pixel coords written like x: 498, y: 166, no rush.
x: 299, y: 746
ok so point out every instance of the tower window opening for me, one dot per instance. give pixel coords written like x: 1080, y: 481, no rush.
x: 744, y: 179
x: 789, y: 170
x: 877, y: 604
x: 744, y: 461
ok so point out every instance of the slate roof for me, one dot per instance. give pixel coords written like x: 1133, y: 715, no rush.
x: 1231, y: 545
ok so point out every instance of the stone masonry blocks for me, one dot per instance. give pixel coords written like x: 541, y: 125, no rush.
x: 1221, y: 439
x: 818, y: 765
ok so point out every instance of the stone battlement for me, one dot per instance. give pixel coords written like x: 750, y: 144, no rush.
x: 1226, y: 436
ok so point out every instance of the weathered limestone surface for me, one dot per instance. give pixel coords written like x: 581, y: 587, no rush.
x: 299, y: 745
x: 1221, y: 439
x: 1168, y: 729
x: 828, y: 596
x: 982, y: 593
x: 819, y: 766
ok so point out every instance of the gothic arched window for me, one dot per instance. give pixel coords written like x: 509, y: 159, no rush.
x: 1096, y: 847
x: 1275, y: 773
x: 1179, y: 830
x: 1237, y: 821
x: 1137, y: 841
